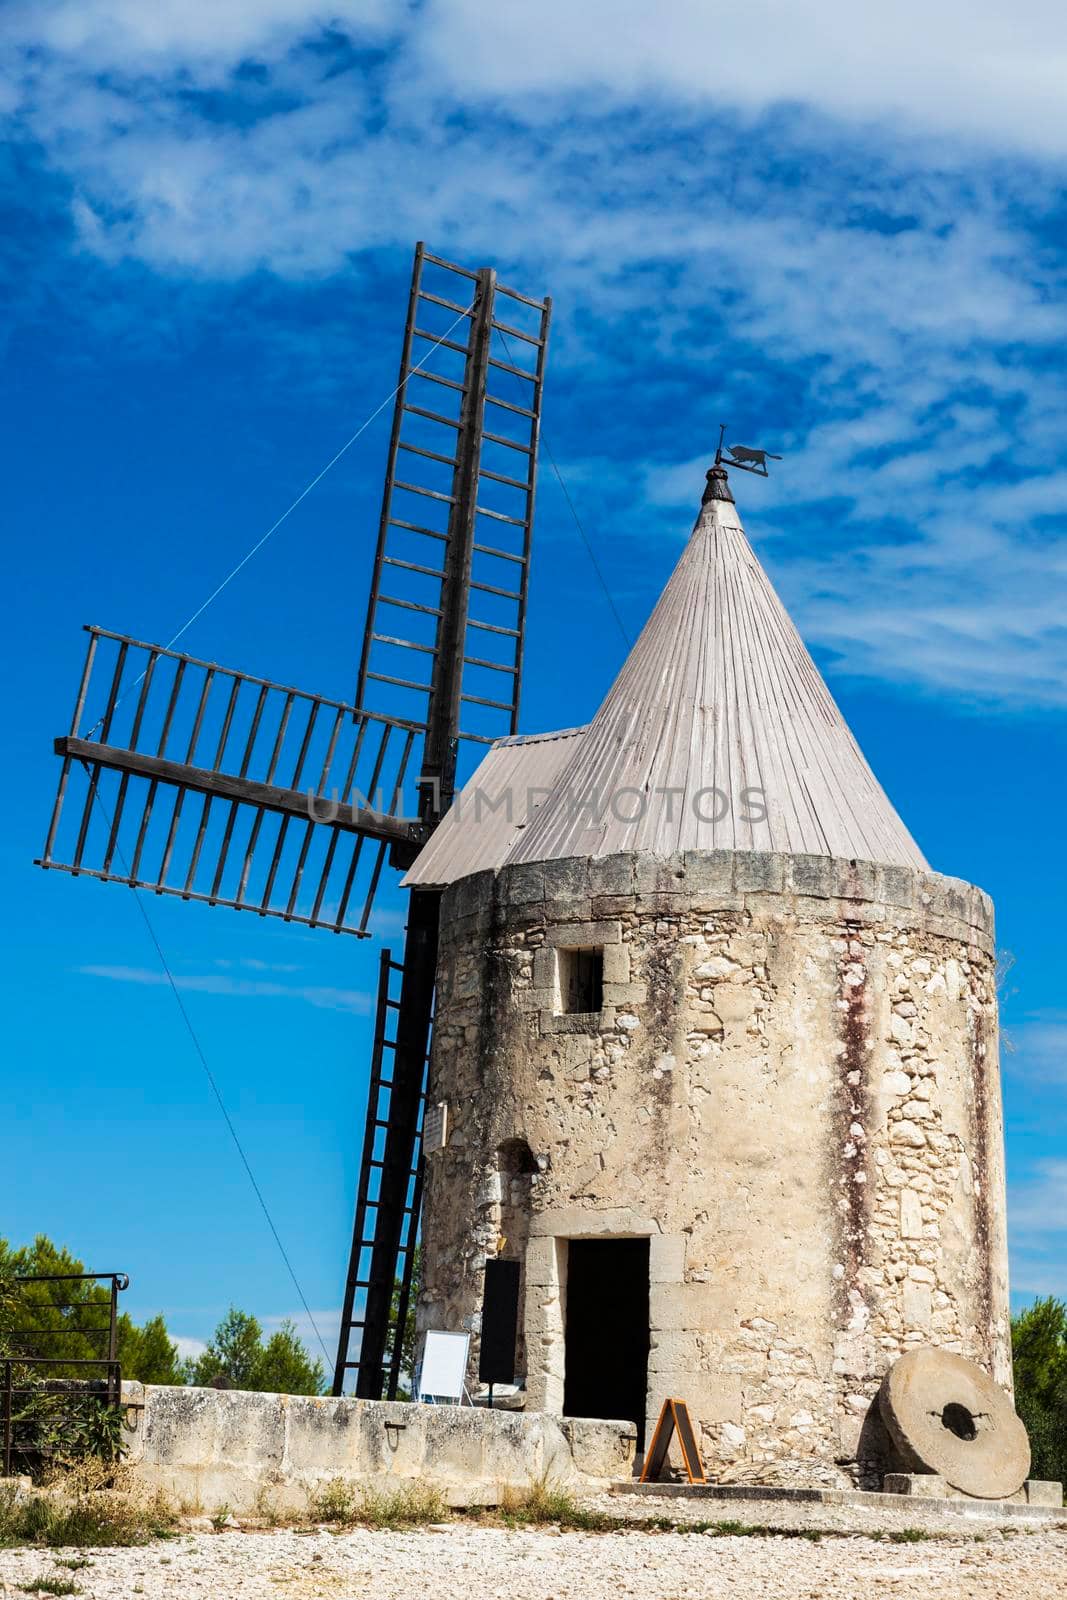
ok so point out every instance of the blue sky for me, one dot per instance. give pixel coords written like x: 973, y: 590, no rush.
x: 843, y: 233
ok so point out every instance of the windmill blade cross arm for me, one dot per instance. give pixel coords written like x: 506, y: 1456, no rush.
x: 303, y: 805
x: 218, y: 786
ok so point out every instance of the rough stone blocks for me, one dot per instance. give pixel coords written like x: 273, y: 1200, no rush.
x: 234, y: 1448
x: 779, y: 1091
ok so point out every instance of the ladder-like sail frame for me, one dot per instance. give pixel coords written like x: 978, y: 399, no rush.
x: 217, y: 786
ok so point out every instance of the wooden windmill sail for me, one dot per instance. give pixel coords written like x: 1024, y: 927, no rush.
x: 208, y: 783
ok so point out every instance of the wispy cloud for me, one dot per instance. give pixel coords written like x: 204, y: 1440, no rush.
x: 990, y: 75
x: 1039, y: 1203
x: 327, y: 999
x: 850, y: 250
x: 203, y: 38
x: 253, y: 964
x: 965, y: 66
x: 1037, y: 1220
x: 188, y: 1349
x: 1037, y: 1051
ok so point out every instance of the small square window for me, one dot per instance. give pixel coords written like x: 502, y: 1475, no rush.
x: 581, y: 981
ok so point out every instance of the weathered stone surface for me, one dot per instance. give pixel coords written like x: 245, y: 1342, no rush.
x: 212, y: 1447
x: 928, y: 1486
x: 799, y: 1083
x: 1039, y: 1493
x: 612, y: 875
x: 579, y: 935
x: 946, y: 1416
x: 925, y: 1484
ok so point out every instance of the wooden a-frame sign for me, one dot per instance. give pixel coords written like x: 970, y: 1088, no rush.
x: 674, y: 1418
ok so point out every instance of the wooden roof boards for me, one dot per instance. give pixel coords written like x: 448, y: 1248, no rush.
x: 493, y: 808
x: 718, y: 733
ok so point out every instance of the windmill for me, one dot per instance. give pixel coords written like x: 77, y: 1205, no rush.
x: 217, y: 786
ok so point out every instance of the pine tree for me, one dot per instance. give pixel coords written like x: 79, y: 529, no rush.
x: 237, y: 1358
x: 52, y: 1315
x: 1039, y: 1351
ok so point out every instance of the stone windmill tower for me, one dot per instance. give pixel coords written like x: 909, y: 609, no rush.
x: 717, y: 1052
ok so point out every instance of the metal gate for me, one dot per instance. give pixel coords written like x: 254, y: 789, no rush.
x: 49, y: 1402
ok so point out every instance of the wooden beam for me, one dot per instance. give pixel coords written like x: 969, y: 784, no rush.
x: 267, y: 796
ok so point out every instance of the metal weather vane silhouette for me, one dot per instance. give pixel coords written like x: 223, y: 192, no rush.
x: 745, y: 457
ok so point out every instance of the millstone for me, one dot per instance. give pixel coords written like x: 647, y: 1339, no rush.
x: 946, y: 1415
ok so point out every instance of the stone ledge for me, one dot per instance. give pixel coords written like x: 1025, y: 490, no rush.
x: 574, y: 890
x: 586, y: 933
x: 915, y: 1506
x: 927, y: 1485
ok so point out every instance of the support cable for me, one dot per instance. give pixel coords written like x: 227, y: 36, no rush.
x: 216, y: 1091
x: 585, y: 540
x: 570, y: 504
x: 245, y: 559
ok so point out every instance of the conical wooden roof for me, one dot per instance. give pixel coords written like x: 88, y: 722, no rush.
x: 718, y: 694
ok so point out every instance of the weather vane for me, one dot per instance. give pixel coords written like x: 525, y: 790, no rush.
x: 742, y: 456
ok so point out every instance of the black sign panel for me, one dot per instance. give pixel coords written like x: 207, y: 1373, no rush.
x: 500, y: 1321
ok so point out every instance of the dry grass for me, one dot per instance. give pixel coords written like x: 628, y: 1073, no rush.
x: 91, y: 1505
x: 403, y: 1505
x: 50, y: 1586
x: 544, y: 1503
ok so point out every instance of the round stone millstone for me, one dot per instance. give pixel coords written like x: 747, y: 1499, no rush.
x: 946, y: 1415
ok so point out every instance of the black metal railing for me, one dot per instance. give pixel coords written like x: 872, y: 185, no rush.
x: 54, y: 1403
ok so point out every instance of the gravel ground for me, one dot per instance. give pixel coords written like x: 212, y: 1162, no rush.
x: 487, y: 1563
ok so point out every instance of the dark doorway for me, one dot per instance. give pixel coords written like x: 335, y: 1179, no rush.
x: 606, y: 1372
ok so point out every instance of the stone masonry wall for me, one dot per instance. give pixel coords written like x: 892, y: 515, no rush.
x: 209, y: 1448
x: 792, y: 1089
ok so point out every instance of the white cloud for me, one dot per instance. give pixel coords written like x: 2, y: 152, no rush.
x: 188, y: 1349
x: 253, y: 964
x: 897, y: 281
x: 1037, y: 1224
x: 970, y: 67
x: 131, y: 35
x: 1038, y: 1049
x: 1038, y: 1205
x: 327, y: 999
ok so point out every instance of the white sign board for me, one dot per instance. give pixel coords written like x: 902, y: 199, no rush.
x: 435, y: 1128
x: 444, y: 1366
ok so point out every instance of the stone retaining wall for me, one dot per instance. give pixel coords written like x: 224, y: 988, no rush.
x: 208, y: 1448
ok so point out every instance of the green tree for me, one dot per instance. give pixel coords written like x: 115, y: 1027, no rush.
x: 286, y: 1367
x: 148, y: 1354
x: 230, y: 1358
x: 407, y: 1336
x: 57, y: 1330
x: 1039, y: 1351
x: 237, y: 1358
x: 69, y: 1321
